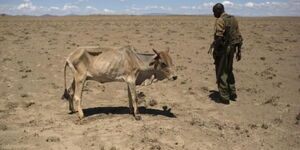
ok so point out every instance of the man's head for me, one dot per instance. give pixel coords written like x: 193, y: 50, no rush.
x: 218, y: 9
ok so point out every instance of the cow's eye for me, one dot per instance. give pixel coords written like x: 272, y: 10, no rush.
x: 163, y: 65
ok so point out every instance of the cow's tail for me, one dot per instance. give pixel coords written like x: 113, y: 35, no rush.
x: 66, y: 94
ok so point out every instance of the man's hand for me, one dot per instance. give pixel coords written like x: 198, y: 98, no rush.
x: 238, y: 55
x: 211, y: 48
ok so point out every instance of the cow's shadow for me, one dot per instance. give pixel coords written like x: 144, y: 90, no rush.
x: 125, y: 110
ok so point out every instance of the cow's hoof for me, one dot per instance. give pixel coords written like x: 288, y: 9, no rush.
x: 80, y: 116
x: 72, y: 112
x: 131, y: 111
x: 138, y: 118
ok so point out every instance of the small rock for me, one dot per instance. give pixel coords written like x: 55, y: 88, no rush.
x: 24, y: 76
x: 20, y: 62
x: 205, y: 89
x: 24, y: 95
x: 155, y: 147
x: 54, y: 86
x: 237, y: 127
x: 20, y: 87
x: 184, y: 82
x: 6, y: 59
x: 278, y: 121
x: 262, y: 58
x: 264, y: 126
x: 298, y: 117
x: 113, y: 148
x: 3, y: 127
x: 141, y: 95
x: 11, y: 105
x: 53, y: 139
x: 29, y: 104
x: 253, y: 126
x: 41, y: 78
x: 273, y: 100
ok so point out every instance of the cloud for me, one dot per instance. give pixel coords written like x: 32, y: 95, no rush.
x: 283, y: 6
x: 91, y: 8
x: 27, y: 4
x: 105, y: 10
x: 150, y: 8
x: 270, y: 8
x: 70, y: 7
x: 54, y: 8
x: 228, y: 3
x: 210, y: 4
x: 249, y: 4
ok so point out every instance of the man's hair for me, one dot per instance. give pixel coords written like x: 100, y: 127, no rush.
x: 219, y: 7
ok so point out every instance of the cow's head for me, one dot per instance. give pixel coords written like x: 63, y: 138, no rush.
x: 163, y: 63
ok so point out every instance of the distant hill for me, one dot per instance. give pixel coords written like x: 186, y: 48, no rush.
x: 158, y: 14
x: 4, y: 15
x: 48, y: 15
x: 72, y: 15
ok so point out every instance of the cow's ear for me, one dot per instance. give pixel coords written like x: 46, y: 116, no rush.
x: 156, y: 52
x: 154, y: 59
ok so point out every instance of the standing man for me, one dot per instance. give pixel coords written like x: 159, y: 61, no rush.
x: 227, y: 42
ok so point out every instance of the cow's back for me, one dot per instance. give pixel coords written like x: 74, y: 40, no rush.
x: 111, y: 64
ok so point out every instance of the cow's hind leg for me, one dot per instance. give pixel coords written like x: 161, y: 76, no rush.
x: 134, y: 99
x: 79, y: 82
x: 71, y: 90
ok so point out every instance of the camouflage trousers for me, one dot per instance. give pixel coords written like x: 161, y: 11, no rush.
x: 224, y: 66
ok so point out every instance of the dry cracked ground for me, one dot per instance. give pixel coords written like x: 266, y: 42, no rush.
x: 180, y: 115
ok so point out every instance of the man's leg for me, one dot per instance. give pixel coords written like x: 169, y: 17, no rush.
x: 222, y: 76
x: 230, y: 79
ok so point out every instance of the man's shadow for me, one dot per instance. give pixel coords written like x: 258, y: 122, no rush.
x: 214, y: 96
x: 125, y: 110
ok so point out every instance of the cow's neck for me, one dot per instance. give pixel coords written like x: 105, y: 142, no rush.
x: 146, y: 59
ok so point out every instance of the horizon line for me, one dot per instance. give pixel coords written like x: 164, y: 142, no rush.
x: 146, y: 14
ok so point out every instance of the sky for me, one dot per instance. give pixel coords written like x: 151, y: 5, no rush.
x: 141, y: 7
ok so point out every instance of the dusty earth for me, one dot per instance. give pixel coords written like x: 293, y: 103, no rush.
x: 181, y: 114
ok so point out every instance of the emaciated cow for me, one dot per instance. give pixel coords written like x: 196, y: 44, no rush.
x: 113, y: 64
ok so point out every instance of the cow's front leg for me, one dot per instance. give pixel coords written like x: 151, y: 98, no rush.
x: 130, y: 100
x: 135, y: 101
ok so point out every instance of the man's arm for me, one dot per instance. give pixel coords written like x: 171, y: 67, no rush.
x: 219, y: 27
x: 219, y: 33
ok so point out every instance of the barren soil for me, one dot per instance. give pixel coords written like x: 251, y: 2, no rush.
x: 180, y: 115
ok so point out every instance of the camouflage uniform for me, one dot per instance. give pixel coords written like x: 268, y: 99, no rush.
x: 226, y: 26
